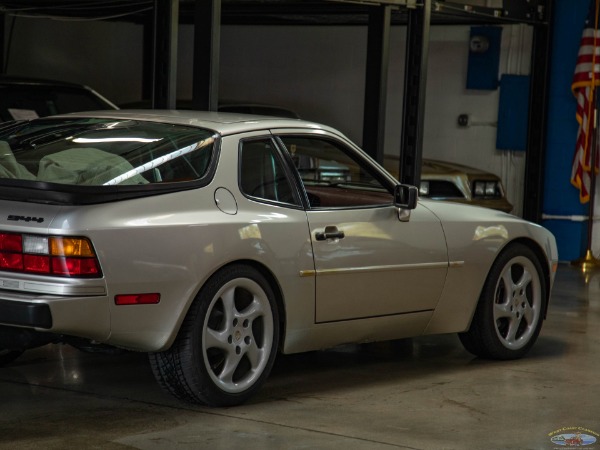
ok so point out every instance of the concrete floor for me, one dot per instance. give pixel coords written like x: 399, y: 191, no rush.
x: 425, y: 393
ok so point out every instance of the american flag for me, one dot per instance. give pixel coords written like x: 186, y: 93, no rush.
x: 585, y: 80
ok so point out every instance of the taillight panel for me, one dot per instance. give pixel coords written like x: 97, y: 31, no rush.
x: 60, y: 256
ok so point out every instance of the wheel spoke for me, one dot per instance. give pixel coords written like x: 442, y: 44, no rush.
x: 229, y: 309
x: 502, y: 310
x: 513, y: 327
x: 528, y: 314
x: 254, y: 354
x: 525, y: 279
x: 505, y: 287
x: 231, y: 363
x: 254, y: 310
x: 216, y: 339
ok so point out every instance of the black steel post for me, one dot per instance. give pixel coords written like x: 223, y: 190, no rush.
x: 376, y: 81
x: 166, y: 21
x: 148, y: 57
x: 2, y: 43
x: 207, y: 38
x: 415, y: 80
x: 533, y: 188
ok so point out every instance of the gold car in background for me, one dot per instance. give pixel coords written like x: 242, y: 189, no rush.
x: 442, y: 180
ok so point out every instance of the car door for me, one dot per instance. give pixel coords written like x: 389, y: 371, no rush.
x: 367, y: 262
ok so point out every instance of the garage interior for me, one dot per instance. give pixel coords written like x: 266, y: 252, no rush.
x: 398, y: 77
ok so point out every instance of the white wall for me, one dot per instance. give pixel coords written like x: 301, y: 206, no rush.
x: 317, y: 71
x: 447, y: 97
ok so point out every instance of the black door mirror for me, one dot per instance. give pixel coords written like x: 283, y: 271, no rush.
x: 405, y: 196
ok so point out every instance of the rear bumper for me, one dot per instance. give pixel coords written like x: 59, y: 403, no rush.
x: 25, y: 314
x: 87, y: 317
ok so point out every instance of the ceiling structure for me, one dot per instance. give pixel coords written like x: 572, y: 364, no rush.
x: 285, y: 12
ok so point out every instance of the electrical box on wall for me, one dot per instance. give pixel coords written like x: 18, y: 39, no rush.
x: 513, y: 112
x: 484, y: 58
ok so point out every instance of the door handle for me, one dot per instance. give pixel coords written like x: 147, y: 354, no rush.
x: 330, y: 232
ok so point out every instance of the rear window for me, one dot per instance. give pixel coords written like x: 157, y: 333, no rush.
x: 104, y: 152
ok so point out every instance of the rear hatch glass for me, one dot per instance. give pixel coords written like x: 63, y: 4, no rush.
x: 87, y: 160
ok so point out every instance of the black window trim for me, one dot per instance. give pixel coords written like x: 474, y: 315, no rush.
x: 300, y: 202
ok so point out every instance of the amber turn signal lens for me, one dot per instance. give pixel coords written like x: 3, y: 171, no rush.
x: 63, y: 246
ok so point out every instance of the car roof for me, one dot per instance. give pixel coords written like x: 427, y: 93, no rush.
x: 433, y: 166
x: 222, y: 123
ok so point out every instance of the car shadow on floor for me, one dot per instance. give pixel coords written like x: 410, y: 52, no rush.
x: 355, y: 366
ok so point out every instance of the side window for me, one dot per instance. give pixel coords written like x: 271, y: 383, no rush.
x: 262, y: 174
x: 333, y: 178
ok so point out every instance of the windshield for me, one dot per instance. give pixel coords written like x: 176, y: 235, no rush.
x: 104, y: 152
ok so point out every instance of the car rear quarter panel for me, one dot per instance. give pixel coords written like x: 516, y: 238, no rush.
x: 152, y: 246
x: 475, y: 237
x: 171, y: 244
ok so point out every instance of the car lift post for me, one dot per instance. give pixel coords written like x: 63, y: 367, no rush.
x: 415, y: 80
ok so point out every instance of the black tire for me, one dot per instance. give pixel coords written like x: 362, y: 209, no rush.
x: 8, y: 356
x: 510, y: 312
x: 227, y: 343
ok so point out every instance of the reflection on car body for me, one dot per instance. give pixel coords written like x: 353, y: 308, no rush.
x: 200, y: 239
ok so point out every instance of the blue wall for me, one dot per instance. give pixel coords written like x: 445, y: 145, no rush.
x: 560, y: 197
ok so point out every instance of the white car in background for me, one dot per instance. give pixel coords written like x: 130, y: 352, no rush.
x: 29, y: 98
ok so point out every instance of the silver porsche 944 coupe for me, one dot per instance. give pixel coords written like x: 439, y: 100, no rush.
x: 214, y: 241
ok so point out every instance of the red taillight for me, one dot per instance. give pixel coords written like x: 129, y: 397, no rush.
x: 11, y: 261
x: 54, y: 255
x: 11, y: 242
x: 75, y: 266
x: 36, y: 264
x: 137, y: 299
